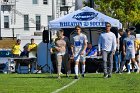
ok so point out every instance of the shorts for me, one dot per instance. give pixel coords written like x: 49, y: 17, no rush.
x: 80, y: 58
x: 137, y: 53
x: 130, y: 55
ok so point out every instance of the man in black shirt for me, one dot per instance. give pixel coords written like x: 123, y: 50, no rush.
x: 116, y: 56
x: 122, y: 61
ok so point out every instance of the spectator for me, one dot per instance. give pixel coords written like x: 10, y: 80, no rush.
x: 16, y: 53
x: 32, y: 50
x: 60, y: 47
x: 32, y: 47
x: 90, y: 51
x: 107, y: 42
x: 137, y: 48
x: 122, y: 56
x: 116, y: 55
x: 65, y: 58
x: 25, y: 52
x: 16, y: 49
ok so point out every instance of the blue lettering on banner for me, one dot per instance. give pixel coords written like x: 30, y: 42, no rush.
x: 71, y: 24
x: 86, y: 23
x: 83, y: 24
x: 97, y: 24
x: 85, y: 16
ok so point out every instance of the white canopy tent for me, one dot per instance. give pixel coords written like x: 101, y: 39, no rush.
x: 85, y: 17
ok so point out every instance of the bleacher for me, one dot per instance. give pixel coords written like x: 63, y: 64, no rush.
x: 7, y: 43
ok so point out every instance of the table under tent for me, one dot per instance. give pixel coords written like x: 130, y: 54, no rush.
x: 92, y: 22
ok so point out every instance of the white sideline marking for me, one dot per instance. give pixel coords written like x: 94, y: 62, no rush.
x: 58, y: 90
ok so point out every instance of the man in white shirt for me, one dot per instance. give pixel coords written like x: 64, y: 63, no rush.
x: 107, y: 45
x: 78, y: 47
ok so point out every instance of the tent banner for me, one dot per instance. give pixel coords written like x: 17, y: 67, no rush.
x: 82, y: 24
x: 85, y: 17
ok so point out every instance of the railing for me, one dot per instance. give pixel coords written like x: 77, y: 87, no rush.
x: 59, y: 5
x: 8, y: 2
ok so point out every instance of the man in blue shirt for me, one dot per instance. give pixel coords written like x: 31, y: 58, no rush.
x: 90, y: 64
x: 91, y: 51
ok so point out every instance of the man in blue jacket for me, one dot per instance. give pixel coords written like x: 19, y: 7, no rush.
x: 91, y: 65
x: 91, y: 51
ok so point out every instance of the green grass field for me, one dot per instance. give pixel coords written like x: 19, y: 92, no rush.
x: 92, y: 83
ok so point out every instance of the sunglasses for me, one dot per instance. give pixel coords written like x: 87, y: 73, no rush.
x: 77, y: 29
x: 108, y: 26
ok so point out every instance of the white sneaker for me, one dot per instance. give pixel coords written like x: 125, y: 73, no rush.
x: 133, y: 70
x: 137, y: 71
x: 61, y: 73
x: 59, y: 77
x: 129, y: 72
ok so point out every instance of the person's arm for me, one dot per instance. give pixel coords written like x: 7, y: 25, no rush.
x: 93, y: 52
x: 99, y: 44
x: 124, y: 47
x: 120, y: 44
x: 12, y: 49
x: 64, y: 44
x: 87, y: 51
x: 135, y: 45
x: 29, y: 48
x: 85, y: 45
x: 114, y: 45
x: 72, y: 46
x: 68, y: 42
x: 56, y: 47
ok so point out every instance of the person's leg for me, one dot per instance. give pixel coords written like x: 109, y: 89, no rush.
x: 54, y: 62
x: 128, y: 57
x: 116, y: 61
x: 110, y: 64
x: 134, y: 61
x: 135, y: 64
x: 83, y: 68
x: 65, y: 62
x: 128, y: 66
x: 16, y: 62
x: 137, y: 60
x: 69, y: 66
x: 76, y: 69
x: 83, y: 65
x: 104, y: 54
x: 59, y: 63
x: 122, y: 62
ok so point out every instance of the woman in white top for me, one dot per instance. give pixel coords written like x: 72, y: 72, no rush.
x: 60, y: 46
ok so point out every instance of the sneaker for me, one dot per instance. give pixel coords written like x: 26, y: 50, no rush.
x: 61, y: 73
x: 59, y: 77
x: 105, y: 76
x: 109, y: 76
x: 128, y: 72
x: 120, y: 72
x: 67, y: 75
x: 137, y: 71
x: 83, y: 75
x: 133, y: 70
x: 116, y: 71
x: 97, y: 72
x: 76, y: 77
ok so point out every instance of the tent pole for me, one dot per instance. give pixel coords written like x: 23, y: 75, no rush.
x: 90, y: 35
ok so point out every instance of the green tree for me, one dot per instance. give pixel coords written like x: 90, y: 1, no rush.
x: 127, y: 11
